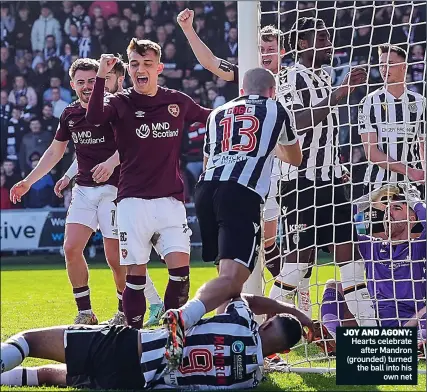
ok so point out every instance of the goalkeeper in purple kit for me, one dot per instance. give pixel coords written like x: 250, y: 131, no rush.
x: 395, y: 269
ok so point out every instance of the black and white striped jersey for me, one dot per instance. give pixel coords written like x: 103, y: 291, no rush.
x: 399, y: 124
x: 240, y: 138
x: 221, y: 352
x: 299, y: 85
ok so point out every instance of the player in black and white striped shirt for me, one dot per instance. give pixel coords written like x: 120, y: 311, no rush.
x: 240, y: 138
x: 222, y: 352
x: 318, y: 212
x: 392, y: 128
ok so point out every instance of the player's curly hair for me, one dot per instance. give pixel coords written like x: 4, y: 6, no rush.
x: 270, y: 33
x: 291, y: 330
x: 387, y: 48
x: 84, y: 64
x: 141, y: 46
x: 303, y: 28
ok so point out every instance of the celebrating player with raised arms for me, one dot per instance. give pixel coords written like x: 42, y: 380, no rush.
x: 395, y: 268
x: 240, y: 138
x: 101, y: 173
x: 92, y: 204
x: 222, y: 352
x: 148, y: 121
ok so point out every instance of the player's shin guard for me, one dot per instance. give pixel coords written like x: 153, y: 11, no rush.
x: 151, y: 293
x: 13, y: 352
x: 134, y: 300
x: 303, y: 297
x: 20, y: 376
x: 176, y: 293
x: 272, y: 259
x: 356, y: 294
x: 287, y: 282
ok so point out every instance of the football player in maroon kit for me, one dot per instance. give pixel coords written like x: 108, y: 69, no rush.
x: 92, y: 204
x: 148, y: 121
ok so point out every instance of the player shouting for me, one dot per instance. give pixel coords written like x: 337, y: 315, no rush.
x: 92, y: 203
x: 222, y: 352
x: 148, y: 121
x: 240, y: 138
x: 101, y: 173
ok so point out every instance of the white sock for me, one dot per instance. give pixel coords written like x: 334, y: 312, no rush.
x: 287, y: 282
x: 88, y: 311
x: 192, y: 312
x: 13, y: 352
x: 358, y: 300
x: 303, y: 295
x: 20, y: 376
x: 151, y: 293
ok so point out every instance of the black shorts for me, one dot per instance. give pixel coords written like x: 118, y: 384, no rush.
x: 229, y: 216
x: 103, y: 357
x: 373, y: 218
x: 316, y: 214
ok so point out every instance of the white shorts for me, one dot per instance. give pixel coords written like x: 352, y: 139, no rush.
x: 271, y: 207
x: 94, y: 207
x: 164, y: 220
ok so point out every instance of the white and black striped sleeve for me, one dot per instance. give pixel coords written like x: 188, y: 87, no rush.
x: 422, y: 121
x: 366, y: 116
x: 287, y: 135
x: 287, y: 93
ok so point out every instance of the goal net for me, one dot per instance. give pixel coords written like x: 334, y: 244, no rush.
x: 357, y: 30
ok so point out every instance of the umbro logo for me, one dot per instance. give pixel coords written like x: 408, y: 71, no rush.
x: 70, y: 123
x: 137, y: 318
x: 139, y: 114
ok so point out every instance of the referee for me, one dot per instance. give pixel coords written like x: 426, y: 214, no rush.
x: 240, y: 138
x: 318, y: 212
x: 392, y: 128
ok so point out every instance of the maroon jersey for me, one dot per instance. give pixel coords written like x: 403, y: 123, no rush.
x: 94, y: 144
x: 148, y: 131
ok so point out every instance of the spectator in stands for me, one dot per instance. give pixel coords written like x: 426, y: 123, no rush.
x: 78, y: 17
x: 215, y: 100
x: 123, y: 37
x: 38, y: 140
x: 22, y: 31
x: 50, y: 48
x: 417, y: 69
x: 174, y: 69
x: 11, y: 172
x: 230, y: 19
x: 5, y: 107
x: 41, y: 193
x: 89, y: 46
x: 41, y: 78
x: 28, y: 111
x: 57, y: 103
x: 6, y: 60
x: 65, y: 94
x: 4, y: 80
x: 48, y: 121
x: 12, y: 135
x: 194, y: 150
x: 107, y: 8
x: 20, y: 88
x: 73, y: 39
x: 362, y: 42
x: 139, y: 32
x: 7, y: 24
x: 5, y: 203
x: 45, y: 25
x: 161, y: 36
x: 149, y: 29
x: 21, y: 68
x: 64, y: 12
x: 228, y: 51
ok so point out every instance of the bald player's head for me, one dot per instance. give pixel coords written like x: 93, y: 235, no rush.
x: 259, y: 81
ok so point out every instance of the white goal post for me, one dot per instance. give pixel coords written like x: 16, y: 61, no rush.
x: 357, y: 29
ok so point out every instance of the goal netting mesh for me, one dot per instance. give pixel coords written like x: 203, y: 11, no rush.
x: 357, y: 28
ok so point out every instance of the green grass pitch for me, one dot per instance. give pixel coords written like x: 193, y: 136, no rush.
x: 34, y: 296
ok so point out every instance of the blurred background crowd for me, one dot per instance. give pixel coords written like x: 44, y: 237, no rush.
x: 40, y: 40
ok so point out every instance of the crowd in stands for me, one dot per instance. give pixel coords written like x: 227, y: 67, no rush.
x: 40, y: 40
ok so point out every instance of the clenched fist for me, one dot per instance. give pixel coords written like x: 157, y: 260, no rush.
x: 106, y: 64
x: 185, y: 19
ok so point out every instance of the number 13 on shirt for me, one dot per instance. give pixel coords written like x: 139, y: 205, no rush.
x: 234, y: 124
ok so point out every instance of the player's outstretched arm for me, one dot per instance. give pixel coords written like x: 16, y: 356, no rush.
x: 103, y: 171
x: 204, y: 55
x: 99, y: 111
x: 263, y: 305
x: 47, y: 162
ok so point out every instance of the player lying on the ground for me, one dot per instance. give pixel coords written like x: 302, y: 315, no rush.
x: 395, y: 268
x: 393, y: 155
x: 240, y: 138
x: 148, y: 121
x: 225, y: 351
x: 93, y: 197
